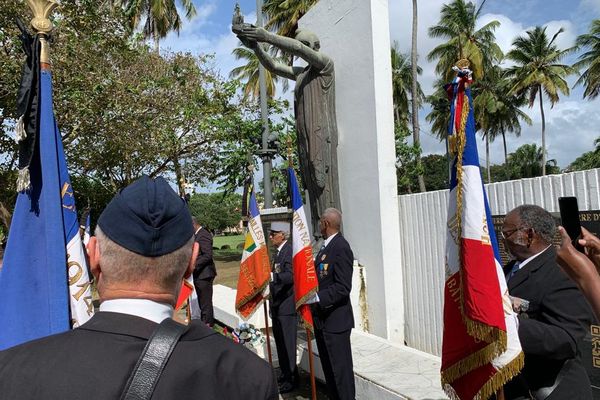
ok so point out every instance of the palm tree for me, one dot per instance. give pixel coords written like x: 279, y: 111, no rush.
x: 283, y: 15
x: 416, y: 93
x: 457, y: 24
x: 538, y: 70
x: 439, y: 116
x: 249, y: 74
x: 401, y: 86
x: 161, y: 16
x: 527, y: 161
x: 496, y: 111
x: 590, y: 78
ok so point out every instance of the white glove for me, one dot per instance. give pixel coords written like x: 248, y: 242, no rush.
x: 312, y: 300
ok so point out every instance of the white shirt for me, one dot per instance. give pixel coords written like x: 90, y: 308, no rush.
x: 281, y: 246
x: 527, y: 260
x: 328, y: 240
x: 148, y: 309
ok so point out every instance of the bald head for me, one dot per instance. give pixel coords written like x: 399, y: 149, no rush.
x: 330, y: 222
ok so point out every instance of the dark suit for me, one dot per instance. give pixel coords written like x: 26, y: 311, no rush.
x: 333, y: 318
x: 93, y: 362
x: 551, y: 330
x: 283, y: 311
x: 204, y: 275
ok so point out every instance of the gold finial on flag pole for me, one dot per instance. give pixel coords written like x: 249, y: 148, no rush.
x: 42, y: 25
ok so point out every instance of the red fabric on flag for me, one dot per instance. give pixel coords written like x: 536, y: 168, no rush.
x: 305, y: 284
x: 186, y: 291
x: 255, y: 273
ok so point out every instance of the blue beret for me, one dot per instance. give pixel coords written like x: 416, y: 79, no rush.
x: 148, y: 218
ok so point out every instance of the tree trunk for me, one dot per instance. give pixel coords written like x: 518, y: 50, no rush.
x: 487, y: 157
x: 179, y: 176
x: 156, y: 44
x: 505, y: 155
x: 543, y: 133
x: 415, y: 93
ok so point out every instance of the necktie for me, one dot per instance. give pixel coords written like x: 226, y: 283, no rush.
x: 513, y: 271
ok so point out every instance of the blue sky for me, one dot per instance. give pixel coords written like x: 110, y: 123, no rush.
x: 571, y: 126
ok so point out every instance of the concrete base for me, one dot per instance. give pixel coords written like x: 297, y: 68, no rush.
x: 382, y: 370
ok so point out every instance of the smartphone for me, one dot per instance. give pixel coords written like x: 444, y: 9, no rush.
x: 569, y: 216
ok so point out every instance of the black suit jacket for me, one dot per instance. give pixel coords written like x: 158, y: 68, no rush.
x: 93, y: 362
x: 205, y: 266
x: 282, y: 286
x: 552, y: 329
x: 333, y: 264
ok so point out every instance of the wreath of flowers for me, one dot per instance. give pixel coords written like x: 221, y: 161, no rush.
x: 248, y: 335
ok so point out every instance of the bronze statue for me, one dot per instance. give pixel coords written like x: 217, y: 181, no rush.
x: 314, y: 109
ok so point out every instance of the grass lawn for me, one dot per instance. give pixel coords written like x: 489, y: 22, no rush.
x: 232, y: 241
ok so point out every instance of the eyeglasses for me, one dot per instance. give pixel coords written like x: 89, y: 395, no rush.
x: 507, y: 234
x: 273, y: 233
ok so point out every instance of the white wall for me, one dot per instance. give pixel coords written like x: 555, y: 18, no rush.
x: 355, y: 34
x: 423, y: 232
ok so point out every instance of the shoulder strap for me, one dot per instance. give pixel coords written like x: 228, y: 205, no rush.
x: 149, y: 367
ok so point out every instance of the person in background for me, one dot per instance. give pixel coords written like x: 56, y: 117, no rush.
x: 283, y: 306
x: 204, y: 272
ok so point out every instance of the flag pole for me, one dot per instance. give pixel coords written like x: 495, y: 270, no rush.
x: 500, y: 394
x: 42, y: 26
x: 311, y: 365
x: 267, y: 333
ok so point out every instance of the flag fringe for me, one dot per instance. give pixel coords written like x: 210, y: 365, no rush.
x: 494, y: 384
x: 484, y: 332
x: 246, y: 299
x: 475, y: 360
x: 304, y: 298
x: 23, y: 180
x: 20, y: 132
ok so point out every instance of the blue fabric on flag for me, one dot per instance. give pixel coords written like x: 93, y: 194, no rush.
x: 34, y: 295
x: 253, y: 207
x: 296, y: 198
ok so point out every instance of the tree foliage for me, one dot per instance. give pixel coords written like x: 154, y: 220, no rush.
x: 216, y: 211
x: 590, y: 60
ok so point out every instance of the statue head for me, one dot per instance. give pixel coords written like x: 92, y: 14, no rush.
x: 309, y: 39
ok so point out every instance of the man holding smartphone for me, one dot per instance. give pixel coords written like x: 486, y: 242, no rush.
x: 557, y: 316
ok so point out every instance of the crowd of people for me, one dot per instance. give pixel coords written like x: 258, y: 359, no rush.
x: 146, y: 242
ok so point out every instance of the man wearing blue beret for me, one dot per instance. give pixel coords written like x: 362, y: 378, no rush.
x: 143, y: 248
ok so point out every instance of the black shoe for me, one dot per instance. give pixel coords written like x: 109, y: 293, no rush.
x: 286, y: 387
x: 281, y: 378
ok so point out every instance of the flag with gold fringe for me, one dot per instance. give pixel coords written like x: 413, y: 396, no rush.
x: 255, y: 269
x: 481, y: 349
x: 305, y: 277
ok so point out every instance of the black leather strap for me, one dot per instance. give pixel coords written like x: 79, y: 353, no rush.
x: 149, y: 367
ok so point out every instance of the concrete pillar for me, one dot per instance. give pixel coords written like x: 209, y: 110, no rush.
x: 355, y: 34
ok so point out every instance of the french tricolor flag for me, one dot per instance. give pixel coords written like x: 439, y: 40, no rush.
x: 480, y: 349
x: 305, y: 277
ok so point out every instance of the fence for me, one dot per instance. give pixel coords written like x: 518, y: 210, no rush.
x: 423, y: 237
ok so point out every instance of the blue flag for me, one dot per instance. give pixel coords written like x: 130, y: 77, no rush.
x: 42, y: 260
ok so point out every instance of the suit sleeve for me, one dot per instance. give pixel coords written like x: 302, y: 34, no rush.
x: 339, y: 291
x: 205, y: 255
x: 563, y: 322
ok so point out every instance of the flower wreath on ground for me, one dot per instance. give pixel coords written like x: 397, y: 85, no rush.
x: 248, y: 335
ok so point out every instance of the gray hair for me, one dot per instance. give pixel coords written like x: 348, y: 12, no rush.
x: 334, y: 216
x: 540, y: 220
x: 124, y: 266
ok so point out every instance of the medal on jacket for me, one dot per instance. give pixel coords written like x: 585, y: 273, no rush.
x: 323, y: 257
x: 323, y: 270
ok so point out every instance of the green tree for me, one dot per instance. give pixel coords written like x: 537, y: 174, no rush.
x: 161, y: 16
x: 496, y: 111
x: 248, y: 74
x: 587, y: 160
x: 590, y: 59
x: 216, y: 211
x: 526, y: 162
x: 435, y: 167
x: 457, y: 24
x: 283, y: 15
x: 408, y: 167
x: 537, y: 70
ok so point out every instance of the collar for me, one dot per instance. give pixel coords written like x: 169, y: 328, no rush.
x: 329, y: 239
x: 281, y: 246
x: 197, y: 230
x: 148, y: 309
x: 527, y: 260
